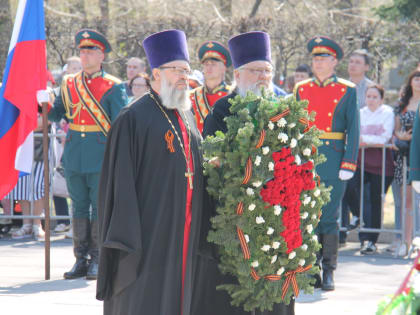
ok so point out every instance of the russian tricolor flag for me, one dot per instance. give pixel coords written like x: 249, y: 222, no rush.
x: 24, y: 74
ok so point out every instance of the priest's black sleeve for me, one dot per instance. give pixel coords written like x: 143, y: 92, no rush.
x: 118, y: 211
x: 215, y: 120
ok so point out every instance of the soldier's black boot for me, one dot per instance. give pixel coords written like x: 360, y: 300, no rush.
x: 329, y: 260
x: 92, y: 269
x: 81, y: 234
x: 317, y: 277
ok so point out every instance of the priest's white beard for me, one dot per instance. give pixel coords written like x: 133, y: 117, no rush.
x: 172, y: 98
x: 254, y: 88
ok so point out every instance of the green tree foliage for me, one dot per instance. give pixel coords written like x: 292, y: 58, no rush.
x: 401, y: 10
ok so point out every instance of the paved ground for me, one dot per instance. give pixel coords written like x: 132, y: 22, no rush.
x: 361, y: 282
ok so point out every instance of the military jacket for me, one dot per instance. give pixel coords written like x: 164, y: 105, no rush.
x: 337, y: 114
x: 85, y: 140
x: 203, y: 100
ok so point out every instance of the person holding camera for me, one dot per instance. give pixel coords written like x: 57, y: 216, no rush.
x: 405, y: 114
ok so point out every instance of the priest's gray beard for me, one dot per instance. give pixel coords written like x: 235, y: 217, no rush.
x: 254, y: 88
x: 172, y: 98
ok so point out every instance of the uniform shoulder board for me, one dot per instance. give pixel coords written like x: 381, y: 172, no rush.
x: 346, y: 82
x: 299, y: 84
x: 112, y: 78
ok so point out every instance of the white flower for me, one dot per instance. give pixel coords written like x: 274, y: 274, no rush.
x: 317, y: 192
x: 271, y: 166
x: 306, y: 152
x: 246, y: 238
x: 273, y: 259
x: 292, y: 125
x: 283, y: 137
x: 309, y: 228
x: 256, y: 184
x: 293, y: 143
x: 265, y: 248
x: 300, y: 136
x: 301, y: 262
x: 304, y: 215
x: 306, y: 200
x: 277, y: 210
x: 282, y: 122
x: 292, y: 255
x: 298, y: 160
x: 313, y: 217
x: 280, y: 271
x: 270, y: 125
x: 315, y: 238
x: 251, y: 207
x: 270, y: 231
x: 304, y: 247
x: 257, y: 160
x: 265, y: 150
x: 275, y: 245
x: 255, y: 264
x: 259, y: 220
x: 313, y: 202
x: 249, y: 191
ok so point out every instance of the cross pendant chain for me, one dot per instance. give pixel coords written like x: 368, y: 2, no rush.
x: 188, y: 156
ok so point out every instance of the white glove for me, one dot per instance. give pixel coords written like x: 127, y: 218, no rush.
x: 42, y: 96
x: 345, y: 175
x: 416, y: 185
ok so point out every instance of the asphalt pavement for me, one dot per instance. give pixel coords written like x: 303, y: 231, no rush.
x: 361, y: 282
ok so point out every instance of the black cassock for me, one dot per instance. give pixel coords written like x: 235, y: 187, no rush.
x: 206, y: 299
x: 142, y: 202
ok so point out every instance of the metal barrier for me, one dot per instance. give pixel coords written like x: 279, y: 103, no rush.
x: 404, y: 210
x: 52, y: 157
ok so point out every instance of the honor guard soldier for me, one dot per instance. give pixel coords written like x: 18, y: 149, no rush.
x: 337, y: 114
x: 215, y: 59
x: 90, y: 100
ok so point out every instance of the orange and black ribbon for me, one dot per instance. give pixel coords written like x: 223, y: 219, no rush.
x: 248, y: 171
x: 240, y: 208
x: 254, y: 274
x: 305, y: 122
x: 280, y: 116
x: 244, y: 245
x: 291, y: 279
x: 261, y: 140
x: 169, y: 138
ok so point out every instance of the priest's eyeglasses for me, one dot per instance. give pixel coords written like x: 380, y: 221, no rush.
x: 260, y: 71
x: 178, y: 70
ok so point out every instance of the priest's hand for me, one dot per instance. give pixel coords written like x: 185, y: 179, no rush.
x: 215, y: 161
x: 42, y: 96
x: 416, y: 186
x: 345, y: 175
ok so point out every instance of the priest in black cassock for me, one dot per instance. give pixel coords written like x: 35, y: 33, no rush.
x: 150, y: 193
x: 251, y: 57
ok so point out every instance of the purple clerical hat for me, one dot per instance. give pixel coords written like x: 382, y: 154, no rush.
x: 248, y: 47
x: 166, y: 46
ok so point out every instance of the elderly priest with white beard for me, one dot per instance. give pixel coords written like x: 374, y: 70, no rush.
x: 150, y: 194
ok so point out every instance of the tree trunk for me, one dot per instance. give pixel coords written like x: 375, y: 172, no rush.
x: 255, y: 8
x: 103, y: 22
x: 5, y: 31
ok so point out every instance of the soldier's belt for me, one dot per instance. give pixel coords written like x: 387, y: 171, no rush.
x: 84, y: 128
x: 333, y: 136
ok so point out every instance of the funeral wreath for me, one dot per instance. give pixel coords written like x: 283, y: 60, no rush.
x: 269, y: 199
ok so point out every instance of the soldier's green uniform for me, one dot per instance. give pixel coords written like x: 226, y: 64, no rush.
x: 337, y: 114
x: 90, y: 102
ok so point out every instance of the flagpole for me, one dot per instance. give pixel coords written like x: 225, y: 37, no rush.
x: 45, y: 141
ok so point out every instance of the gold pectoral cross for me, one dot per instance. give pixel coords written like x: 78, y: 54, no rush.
x: 189, y: 175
